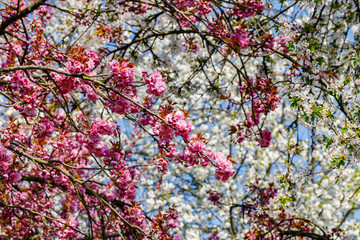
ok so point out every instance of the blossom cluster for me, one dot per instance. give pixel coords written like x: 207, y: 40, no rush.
x: 264, y: 99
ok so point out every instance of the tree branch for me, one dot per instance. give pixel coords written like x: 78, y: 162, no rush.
x: 19, y: 15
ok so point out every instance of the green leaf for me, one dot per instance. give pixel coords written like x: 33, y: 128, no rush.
x: 328, y: 141
x: 284, y: 200
x: 338, y: 161
x: 344, y: 130
x: 320, y: 60
x: 347, y: 80
x: 295, y: 102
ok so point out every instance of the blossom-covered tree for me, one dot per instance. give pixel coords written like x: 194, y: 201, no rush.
x: 179, y: 119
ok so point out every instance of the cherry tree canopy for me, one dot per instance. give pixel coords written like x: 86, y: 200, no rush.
x: 179, y: 119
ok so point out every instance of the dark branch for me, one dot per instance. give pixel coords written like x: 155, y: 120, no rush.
x: 19, y: 15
